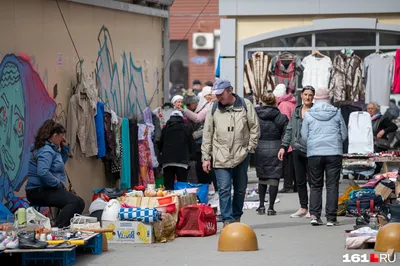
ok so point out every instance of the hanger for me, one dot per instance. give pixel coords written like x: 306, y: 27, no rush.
x: 316, y: 52
x: 286, y: 56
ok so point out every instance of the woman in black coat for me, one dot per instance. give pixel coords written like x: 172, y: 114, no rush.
x: 268, y: 167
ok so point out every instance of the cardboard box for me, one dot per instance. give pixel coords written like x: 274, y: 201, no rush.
x: 129, y: 232
x: 383, y: 190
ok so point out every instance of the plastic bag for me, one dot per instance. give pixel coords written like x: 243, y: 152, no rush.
x: 164, y: 230
x: 202, y: 192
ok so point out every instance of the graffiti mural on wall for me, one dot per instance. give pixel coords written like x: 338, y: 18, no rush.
x: 126, y: 99
x: 24, y: 105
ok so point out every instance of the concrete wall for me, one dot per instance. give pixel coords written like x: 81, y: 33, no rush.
x: 253, y: 25
x: 36, y: 56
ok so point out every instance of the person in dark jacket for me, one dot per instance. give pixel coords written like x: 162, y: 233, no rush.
x: 382, y: 125
x: 176, y: 146
x: 393, y: 111
x: 268, y: 167
x: 293, y: 138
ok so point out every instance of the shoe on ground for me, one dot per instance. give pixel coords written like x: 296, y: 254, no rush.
x: 271, y: 212
x: 237, y: 220
x: 261, y: 210
x: 316, y: 221
x: 332, y: 223
x: 308, y: 215
x: 225, y: 224
x: 300, y: 213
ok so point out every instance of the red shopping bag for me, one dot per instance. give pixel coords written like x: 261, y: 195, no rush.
x: 196, y: 220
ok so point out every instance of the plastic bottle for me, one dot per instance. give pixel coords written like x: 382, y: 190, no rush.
x: 373, y: 221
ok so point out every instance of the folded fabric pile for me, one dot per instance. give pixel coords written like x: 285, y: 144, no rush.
x: 363, y: 167
x: 145, y: 215
x: 355, y: 239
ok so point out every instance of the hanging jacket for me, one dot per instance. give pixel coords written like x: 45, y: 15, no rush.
x: 81, y: 130
x: 324, y: 130
x: 272, y: 127
x: 396, y: 79
x: 176, y: 143
x: 46, y: 167
x: 346, y: 80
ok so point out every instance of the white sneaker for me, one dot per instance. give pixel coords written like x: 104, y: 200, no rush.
x: 12, y: 244
x: 332, y: 223
x: 300, y: 213
x: 316, y: 221
x: 308, y: 215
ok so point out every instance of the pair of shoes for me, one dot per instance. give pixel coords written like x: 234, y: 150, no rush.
x: 316, y: 221
x: 286, y: 190
x: 300, y: 213
x: 271, y: 212
x: 11, y: 242
x: 260, y: 210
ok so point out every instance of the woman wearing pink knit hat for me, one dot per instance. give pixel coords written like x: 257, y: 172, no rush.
x: 286, y: 103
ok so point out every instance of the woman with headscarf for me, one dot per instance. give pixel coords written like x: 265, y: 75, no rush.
x: 268, y: 167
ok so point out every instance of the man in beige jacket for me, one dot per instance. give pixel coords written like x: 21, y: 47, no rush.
x: 231, y: 132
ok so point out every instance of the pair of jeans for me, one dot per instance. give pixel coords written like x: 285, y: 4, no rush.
x: 169, y: 176
x: 226, y: 177
x: 330, y: 166
x: 300, y: 162
x: 68, y: 203
x: 289, y: 179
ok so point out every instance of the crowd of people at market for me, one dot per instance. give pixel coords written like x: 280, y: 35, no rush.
x: 213, y: 133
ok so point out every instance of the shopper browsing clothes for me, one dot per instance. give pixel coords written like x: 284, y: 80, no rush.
x: 231, y: 132
x: 176, y: 146
x: 196, y: 113
x: 286, y: 103
x: 268, y: 167
x: 47, y: 180
x: 324, y: 131
x: 293, y: 139
x: 381, y: 127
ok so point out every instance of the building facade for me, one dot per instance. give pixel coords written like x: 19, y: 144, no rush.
x: 190, y: 61
x: 300, y: 27
x: 121, y: 46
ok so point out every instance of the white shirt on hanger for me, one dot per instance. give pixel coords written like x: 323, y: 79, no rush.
x: 316, y: 71
x: 361, y: 139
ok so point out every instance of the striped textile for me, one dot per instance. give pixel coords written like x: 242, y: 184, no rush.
x: 145, y: 215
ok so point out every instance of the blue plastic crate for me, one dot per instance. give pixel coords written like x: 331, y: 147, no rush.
x: 95, y: 244
x: 65, y: 258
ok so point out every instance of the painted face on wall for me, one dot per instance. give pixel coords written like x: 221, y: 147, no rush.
x: 12, y: 120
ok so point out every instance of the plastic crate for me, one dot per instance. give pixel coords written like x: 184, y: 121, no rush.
x: 95, y: 244
x: 65, y: 258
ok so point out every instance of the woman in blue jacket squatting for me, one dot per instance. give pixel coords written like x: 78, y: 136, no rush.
x: 46, y: 175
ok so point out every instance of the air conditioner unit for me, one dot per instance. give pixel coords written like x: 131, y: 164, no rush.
x: 203, y: 41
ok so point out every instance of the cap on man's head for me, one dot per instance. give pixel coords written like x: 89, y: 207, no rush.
x: 220, y: 86
x: 196, y: 82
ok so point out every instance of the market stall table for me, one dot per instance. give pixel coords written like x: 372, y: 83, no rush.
x: 66, y: 256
